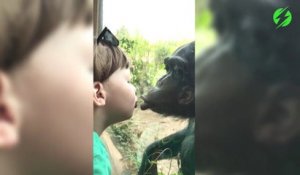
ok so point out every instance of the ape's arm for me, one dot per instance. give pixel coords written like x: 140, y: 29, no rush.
x: 165, y: 148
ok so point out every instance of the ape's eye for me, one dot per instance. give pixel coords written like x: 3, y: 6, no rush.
x: 177, y: 73
x: 160, y: 82
x: 167, y: 68
x: 167, y: 65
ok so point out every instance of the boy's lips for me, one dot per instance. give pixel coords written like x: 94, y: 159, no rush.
x: 135, y: 104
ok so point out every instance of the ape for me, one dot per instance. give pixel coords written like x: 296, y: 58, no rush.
x: 174, y: 95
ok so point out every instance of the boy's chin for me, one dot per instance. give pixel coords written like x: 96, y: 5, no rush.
x: 128, y: 116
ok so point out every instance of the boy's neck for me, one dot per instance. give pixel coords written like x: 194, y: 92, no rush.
x: 100, y: 124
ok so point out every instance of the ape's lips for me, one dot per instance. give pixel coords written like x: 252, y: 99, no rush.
x: 146, y: 104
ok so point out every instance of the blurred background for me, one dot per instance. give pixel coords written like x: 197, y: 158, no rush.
x: 205, y: 33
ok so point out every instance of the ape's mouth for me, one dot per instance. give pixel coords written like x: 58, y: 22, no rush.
x: 146, y: 104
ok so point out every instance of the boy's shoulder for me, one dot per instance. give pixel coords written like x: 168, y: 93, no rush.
x: 101, y: 162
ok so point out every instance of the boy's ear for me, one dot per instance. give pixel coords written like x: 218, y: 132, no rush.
x: 9, y: 119
x: 99, y: 94
x: 279, y: 116
x: 186, y: 95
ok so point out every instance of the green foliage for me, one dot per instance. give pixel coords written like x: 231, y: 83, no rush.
x: 147, y: 59
x: 203, y: 14
x: 161, y: 53
x: 122, y: 133
x: 205, y: 34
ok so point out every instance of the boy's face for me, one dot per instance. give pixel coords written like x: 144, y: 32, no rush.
x: 54, y: 88
x: 120, y: 96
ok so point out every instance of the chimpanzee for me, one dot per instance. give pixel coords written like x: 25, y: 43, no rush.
x: 174, y: 95
x: 248, y: 91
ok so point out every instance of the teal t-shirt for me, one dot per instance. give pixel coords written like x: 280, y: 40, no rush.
x: 101, y: 162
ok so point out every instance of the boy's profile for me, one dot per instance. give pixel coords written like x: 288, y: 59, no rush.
x: 114, y: 96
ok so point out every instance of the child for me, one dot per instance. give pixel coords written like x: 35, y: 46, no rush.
x: 45, y: 86
x: 114, y: 95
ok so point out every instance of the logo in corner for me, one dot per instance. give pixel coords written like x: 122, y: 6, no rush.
x: 282, y: 17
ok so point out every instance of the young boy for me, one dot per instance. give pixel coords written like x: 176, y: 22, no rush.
x: 114, y: 95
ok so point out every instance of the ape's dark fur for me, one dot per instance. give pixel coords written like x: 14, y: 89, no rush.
x: 247, y: 27
x: 248, y: 34
x: 164, y: 100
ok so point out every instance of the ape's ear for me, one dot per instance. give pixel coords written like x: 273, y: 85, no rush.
x: 99, y: 95
x: 9, y: 114
x: 186, y: 95
x: 278, y: 120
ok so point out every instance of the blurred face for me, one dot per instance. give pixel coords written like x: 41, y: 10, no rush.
x: 54, y: 88
x: 226, y: 104
x: 120, y: 96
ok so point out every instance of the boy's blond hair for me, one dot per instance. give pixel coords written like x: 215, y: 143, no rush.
x: 108, y: 59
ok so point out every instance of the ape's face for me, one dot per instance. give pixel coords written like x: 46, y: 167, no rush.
x: 174, y: 92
